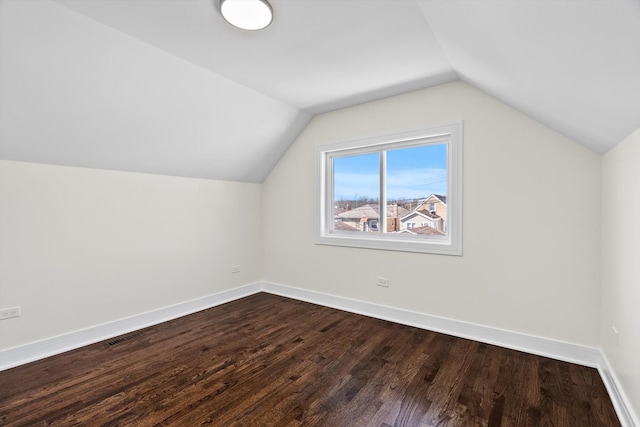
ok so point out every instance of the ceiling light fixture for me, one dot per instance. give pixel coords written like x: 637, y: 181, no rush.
x: 247, y: 14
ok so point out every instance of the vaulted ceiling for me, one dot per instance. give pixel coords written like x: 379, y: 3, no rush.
x: 168, y: 87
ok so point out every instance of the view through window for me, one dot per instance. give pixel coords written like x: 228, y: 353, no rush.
x: 396, y: 192
x: 415, y: 192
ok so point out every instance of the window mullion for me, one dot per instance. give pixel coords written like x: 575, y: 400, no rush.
x: 382, y: 226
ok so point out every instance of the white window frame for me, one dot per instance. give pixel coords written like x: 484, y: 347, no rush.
x: 451, y: 244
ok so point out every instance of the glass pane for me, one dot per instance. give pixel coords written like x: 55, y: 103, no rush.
x: 356, y: 193
x: 417, y: 190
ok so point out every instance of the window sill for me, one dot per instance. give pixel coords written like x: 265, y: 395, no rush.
x: 392, y: 243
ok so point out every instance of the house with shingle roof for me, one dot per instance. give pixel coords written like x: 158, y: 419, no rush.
x: 421, y: 218
x: 366, y: 217
x: 423, y: 231
x: 435, y: 203
x: 431, y: 212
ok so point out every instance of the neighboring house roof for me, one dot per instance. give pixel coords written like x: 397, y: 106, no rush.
x: 422, y: 213
x: 440, y: 197
x: 424, y: 231
x: 343, y: 226
x: 368, y: 211
x: 371, y: 212
x: 427, y: 213
x: 443, y: 199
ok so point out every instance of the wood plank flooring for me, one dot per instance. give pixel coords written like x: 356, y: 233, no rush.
x: 265, y: 360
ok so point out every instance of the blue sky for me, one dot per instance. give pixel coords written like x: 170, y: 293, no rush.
x: 412, y: 172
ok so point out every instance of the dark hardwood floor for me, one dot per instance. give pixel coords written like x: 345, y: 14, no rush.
x: 270, y: 361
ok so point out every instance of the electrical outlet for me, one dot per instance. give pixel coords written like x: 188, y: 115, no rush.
x: 8, y: 313
x: 235, y: 268
x: 384, y: 282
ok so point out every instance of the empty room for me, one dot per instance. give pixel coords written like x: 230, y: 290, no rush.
x: 320, y: 213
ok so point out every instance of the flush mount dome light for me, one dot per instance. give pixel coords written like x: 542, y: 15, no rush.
x: 247, y: 14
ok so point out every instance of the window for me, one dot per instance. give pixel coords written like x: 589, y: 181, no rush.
x: 372, y: 191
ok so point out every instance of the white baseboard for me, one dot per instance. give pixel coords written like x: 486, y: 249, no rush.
x: 31, y: 352
x: 574, y: 353
x: 620, y: 401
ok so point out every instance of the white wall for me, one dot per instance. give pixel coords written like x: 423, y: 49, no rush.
x: 79, y: 247
x: 531, y: 263
x: 621, y: 265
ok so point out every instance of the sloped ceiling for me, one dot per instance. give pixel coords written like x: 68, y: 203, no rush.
x: 168, y: 87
